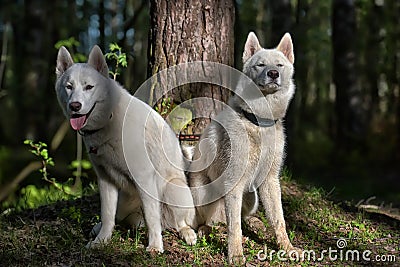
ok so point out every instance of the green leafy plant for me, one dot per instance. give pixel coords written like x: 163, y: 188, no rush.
x: 71, y: 44
x: 165, y: 106
x: 40, y: 150
x: 119, y: 57
x: 80, y: 164
x: 73, y: 213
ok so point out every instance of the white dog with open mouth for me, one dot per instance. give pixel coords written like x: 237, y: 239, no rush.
x: 96, y: 106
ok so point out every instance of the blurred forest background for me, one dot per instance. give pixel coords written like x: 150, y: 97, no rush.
x: 343, y: 125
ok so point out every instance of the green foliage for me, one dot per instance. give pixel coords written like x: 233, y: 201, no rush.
x: 207, y: 244
x: 118, y: 57
x: 83, y: 164
x: 40, y: 149
x: 252, y: 249
x: 73, y: 213
x: 71, y: 44
x: 165, y: 107
x: 32, y: 196
x: 68, y: 43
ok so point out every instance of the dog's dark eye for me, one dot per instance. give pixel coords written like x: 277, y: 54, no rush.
x: 69, y: 86
x: 261, y: 65
x: 88, y: 87
x: 279, y: 65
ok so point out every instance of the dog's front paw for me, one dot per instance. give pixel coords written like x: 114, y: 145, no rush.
x: 188, y: 235
x: 237, y: 260
x: 235, y: 255
x: 94, y: 244
x: 154, y: 250
x: 98, y: 242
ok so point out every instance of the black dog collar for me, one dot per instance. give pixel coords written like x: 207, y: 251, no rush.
x: 261, y: 122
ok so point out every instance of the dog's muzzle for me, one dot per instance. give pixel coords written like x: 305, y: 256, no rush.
x: 269, y: 81
x: 78, y: 121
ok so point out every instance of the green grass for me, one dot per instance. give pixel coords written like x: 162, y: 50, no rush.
x: 57, y: 233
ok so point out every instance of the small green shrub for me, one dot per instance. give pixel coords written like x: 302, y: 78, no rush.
x: 32, y: 196
x: 71, y: 44
x: 116, y: 55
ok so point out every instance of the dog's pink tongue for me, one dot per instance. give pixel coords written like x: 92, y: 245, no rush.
x: 77, y: 123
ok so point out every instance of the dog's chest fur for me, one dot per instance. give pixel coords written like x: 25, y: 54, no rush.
x: 266, y: 150
x: 266, y: 145
x: 108, y: 162
x: 104, y: 149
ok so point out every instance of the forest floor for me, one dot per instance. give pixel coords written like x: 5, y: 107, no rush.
x: 56, y: 234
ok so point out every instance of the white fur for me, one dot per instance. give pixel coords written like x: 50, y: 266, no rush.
x: 246, y: 158
x: 125, y: 192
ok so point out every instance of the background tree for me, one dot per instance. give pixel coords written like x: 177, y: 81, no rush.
x: 280, y: 18
x: 350, y: 113
x: 184, y: 31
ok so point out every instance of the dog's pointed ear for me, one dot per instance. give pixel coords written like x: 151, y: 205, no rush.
x: 251, y: 47
x: 97, y: 61
x: 64, y: 61
x: 286, y: 47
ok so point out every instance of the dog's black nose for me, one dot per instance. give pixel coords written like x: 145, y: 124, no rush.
x: 75, y: 106
x: 273, y: 74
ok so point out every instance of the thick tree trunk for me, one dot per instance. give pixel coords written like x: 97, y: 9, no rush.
x: 350, y: 114
x: 185, y: 31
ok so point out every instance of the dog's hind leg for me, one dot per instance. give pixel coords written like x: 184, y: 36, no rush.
x: 209, y: 209
x: 129, y: 210
x: 108, y: 200
x: 180, y: 203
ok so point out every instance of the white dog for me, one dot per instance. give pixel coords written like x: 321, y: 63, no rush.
x: 134, y: 152
x: 240, y: 154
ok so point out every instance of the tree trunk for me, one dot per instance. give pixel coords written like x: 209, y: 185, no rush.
x: 185, y: 31
x: 371, y: 54
x: 102, y: 24
x: 281, y: 19
x: 31, y: 51
x: 350, y: 116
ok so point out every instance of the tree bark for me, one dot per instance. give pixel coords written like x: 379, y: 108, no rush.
x: 185, y: 31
